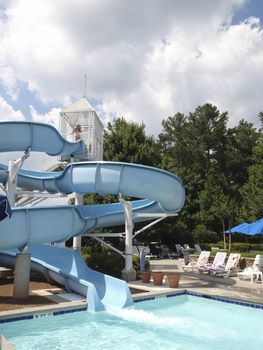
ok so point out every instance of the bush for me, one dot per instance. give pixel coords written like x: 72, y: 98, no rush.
x: 208, y: 246
x: 240, y: 247
x: 136, y: 264
x: 202, y: 235
x: 246, y: 247
x: 107, y: 261
x: 252, y: 255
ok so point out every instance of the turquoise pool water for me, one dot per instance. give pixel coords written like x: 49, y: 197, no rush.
x: 181, y: 322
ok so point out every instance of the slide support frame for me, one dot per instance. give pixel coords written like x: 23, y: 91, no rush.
x: 128, y: 273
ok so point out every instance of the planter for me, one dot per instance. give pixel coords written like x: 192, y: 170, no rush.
x: 173, y: 280
x: 145, y: 276
x: 158, y: 278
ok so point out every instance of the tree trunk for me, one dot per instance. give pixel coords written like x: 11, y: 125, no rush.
x: 224, y: 235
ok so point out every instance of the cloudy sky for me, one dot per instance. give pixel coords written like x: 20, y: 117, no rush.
x: 144, y: 59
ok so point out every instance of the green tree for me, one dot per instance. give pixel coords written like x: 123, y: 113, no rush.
x: 216, y: 209
x: 193, y: 147
x: 213, y: 162
x: 252, y: 191
x: 127, y: 142
x: 239, y: 156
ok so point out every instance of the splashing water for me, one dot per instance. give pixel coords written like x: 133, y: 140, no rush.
x: 142, y: 316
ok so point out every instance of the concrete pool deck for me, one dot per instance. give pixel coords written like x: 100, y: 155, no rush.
x: 194, y: 284
x: 231, y: 288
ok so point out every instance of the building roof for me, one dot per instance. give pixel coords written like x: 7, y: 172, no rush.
x: 82, y: 105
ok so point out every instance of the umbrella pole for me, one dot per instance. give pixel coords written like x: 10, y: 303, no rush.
x: 229, y: 245
x: 246, y: 242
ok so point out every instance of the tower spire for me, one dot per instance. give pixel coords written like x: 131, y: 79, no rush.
x: 85, y: 86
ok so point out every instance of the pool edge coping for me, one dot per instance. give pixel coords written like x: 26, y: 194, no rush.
x: 43, y: 311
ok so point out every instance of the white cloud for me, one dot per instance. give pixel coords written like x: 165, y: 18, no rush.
x: 8, y: 113
x: 9, y: 81
x: 38, y: 160
x: 144, y: 60
x: 51, y: 117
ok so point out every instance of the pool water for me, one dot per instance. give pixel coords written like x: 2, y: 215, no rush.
x: 181, y: 322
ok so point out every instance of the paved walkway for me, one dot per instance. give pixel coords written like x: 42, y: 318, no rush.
x: 231, y: 287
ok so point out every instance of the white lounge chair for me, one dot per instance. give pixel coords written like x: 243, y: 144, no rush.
x: 230, y: 267
x: 168, y: 254
x: 136, y: 249
x: 187, y: 248
x: 197, y: 248
x: 151, y: 256
x: 253, y: 271
x: 218, y: 263
x: 179, y: 248
x: 202, y: 260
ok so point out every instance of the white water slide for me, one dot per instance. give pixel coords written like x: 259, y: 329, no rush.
x: 159, y: 190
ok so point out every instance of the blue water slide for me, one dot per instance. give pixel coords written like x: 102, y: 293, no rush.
x: 58, y: 223
x: 38, y: 137
x: 68, y: 268
x: 108, y: 178
x: 160, y: 192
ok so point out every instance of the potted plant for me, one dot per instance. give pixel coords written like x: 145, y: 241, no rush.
x: 145, y: 276
x: 173, y: 280
x: 157, y: 278
x: 145, y: 272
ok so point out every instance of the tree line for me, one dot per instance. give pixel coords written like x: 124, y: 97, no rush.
x: 221, y: 168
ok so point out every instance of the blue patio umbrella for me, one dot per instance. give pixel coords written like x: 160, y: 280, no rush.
x: 238, y: 229
x: 255, y: 228
x: 5, y: 209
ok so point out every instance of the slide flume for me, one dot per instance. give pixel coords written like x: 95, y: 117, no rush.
x: 38, y: 137
x: 59, y: 223
x: 159, y: 190
x: 66, y: 266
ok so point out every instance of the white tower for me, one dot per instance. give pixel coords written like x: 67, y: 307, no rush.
x: 80, y: 120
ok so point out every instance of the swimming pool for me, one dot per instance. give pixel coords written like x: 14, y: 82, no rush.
x: 181, y: 322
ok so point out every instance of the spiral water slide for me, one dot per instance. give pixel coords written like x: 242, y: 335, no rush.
x: 160, y: 192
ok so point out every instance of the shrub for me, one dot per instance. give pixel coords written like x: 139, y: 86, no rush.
x: 202, y: 235
x: 136, y: 264
x: 107, y: 261
x: 246, y: 247
x: 240, y: 247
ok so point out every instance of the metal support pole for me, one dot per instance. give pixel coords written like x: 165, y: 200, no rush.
x: 109, y: 246
x: 128, y: 273
x: 77, y: 240
x: 13, y: 168
x: 11, y: 184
